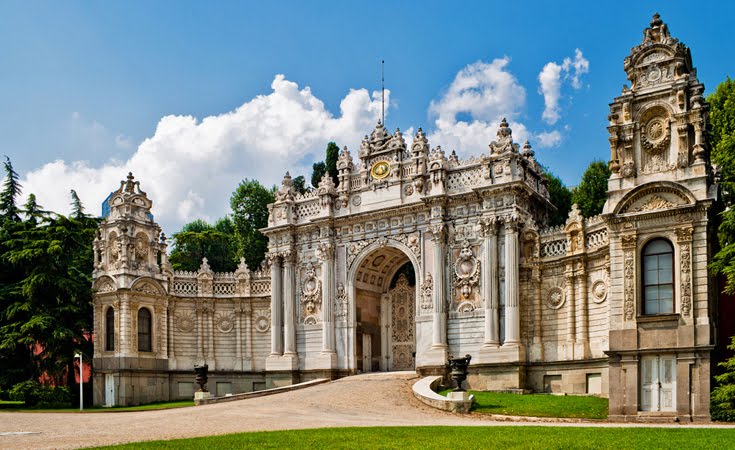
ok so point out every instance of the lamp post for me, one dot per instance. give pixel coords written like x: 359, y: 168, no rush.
x: 81, y: 381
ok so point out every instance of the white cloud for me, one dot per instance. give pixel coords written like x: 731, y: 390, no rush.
x: 189, y: 168
x: 548, y: 139
x: 550, y: 83
x: 485, y: 93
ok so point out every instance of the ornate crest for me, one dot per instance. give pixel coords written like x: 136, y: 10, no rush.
x: 311, y: 292
x: 466, y: 271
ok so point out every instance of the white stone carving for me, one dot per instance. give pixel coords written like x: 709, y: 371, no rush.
x: 555, y: 297
x: 311, y: 292
x: 466, y: 271
x: 225, y: 322
x: 262, y: 320
x: 184, y: 321
x: 599, y: 291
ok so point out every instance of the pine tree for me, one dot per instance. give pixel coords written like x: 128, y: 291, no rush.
x: 8, y: 196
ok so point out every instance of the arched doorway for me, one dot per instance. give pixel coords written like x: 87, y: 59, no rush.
x: 385, y: 300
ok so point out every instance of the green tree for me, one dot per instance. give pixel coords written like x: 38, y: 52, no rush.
x: 318, y: 169
x: 198, y: 240
x: 331, y: 162
x: 328, y: 166
x: 591, y: 193
x: 299, y: 184
x: 33, y: 212
x: 722, y: 398
x: 249, y: 205
x: 722, y: 134
x: 47, y: 306
x: 561, y: 197
x: 9, y: 209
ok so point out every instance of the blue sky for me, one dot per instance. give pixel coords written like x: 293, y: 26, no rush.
x: 194, y: 96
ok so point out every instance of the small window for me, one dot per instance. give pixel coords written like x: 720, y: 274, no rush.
x: 144, y: 330
x: 110, y: 329
x: 658, y: 277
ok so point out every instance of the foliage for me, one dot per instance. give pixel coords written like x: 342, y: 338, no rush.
x: 33, y: 393
x: 561, y: 197
x: 299, y: 184
x: 722, y: 398
x: 442, y: 437
x: 9, y: 209
x: 249, y: 205
x: 45, y: 290
x: 328, y: 166
x: 722, y: 134
x: 591, y: 193
x: 198, y: 239
x: 331, y: 162
x: 318, y: 169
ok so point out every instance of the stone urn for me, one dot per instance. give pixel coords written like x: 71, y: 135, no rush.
x: 458, y: 370
x: 201, y: 378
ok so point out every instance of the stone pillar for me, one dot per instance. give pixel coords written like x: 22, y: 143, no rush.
x: 488, y: 229
x: 276, y: 306
x: 238, y: 329
x: 583, y: 331
x: 289, y: 297
x: 200, y: 330
x: 438, y: 330
x: 571, y: 313
x: 538, y: 317
x: 326, y: 253
x: 171, y: 335
x: 210, y: 328
x: 512, y: 307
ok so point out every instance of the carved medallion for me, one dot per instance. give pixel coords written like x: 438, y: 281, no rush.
x: 184, y: 322
x: 466, y: 271
x: 262, y: 321
x: 225, y: 322
x: 555, y: 298
x: 599, y: 291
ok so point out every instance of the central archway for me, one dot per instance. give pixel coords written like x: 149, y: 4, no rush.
x: 384, y: 293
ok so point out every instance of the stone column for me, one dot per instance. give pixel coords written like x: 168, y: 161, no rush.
x: 289, y: 297
x: 326, y: 253
x: 238, y: 329
x: 583, y: 331
x: 210, y: 327
x: 571, y: 313
x: 438, y: 333
x: 488, y: 230
x: 200, y: 330
x: 171, y: 334
x: 538, y: 316
x: 512, y: 307
x: 276, y: 306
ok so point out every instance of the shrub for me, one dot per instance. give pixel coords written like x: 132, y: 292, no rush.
x: 34, y: 393
x: 722, y: 399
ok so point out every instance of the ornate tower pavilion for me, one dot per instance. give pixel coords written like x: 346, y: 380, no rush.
x: 658, y: 210
x: 415, y: 255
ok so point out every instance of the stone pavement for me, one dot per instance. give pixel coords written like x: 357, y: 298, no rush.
x: 379, y: 399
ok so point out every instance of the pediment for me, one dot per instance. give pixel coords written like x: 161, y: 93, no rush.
x: 147, y: 287
x: 655, y: 197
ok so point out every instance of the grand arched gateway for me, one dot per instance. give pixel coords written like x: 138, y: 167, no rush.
x: 414, y: 255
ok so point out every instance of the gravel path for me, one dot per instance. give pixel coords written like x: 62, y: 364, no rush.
x: 380, y: 399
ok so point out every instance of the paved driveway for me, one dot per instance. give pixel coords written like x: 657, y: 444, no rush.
x: 381, y: 399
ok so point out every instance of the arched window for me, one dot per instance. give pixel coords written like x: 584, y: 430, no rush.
x: 110, y: 329
x: 144, y: 330
x: 658, y: 277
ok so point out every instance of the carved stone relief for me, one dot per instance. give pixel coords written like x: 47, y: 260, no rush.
x: 555, y: 297
x: 184, y: 321
x: 225, y: 322
x: 340, y: 303
x: 262, y: 320
x: 466, y: 277
x: 311, y: 295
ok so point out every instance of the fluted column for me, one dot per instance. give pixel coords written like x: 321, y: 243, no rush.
x: 276, y: 306
x: 200, y: 330
x: 326, y: 253
x: 488, y: 230
x: 289, y: 297
x: 512, y: 307
x: 438, y: 333
x: 238, y: 330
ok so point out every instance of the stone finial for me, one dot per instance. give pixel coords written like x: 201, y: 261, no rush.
x: 658, y: 32
x: 344, y: 161
x: 204, y: 267
x: 505, y: 140
x: 286, y: 192
x: 420, y: 145
x: 527, y: 151
x: 326, y: 185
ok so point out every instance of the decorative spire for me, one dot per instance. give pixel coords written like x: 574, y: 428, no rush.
x: 505, y: 140
x: 527, y: 151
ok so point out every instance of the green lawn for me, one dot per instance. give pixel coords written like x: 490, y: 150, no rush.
x: 462, y: 437
x: 8, y: 406
x: 539, y: 405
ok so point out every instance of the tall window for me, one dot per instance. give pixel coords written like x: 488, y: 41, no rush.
x: 658, y: 277
x: 144, y: 330
x: 110, y: 329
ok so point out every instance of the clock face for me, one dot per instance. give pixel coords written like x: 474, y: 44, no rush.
x: 380, y: 170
